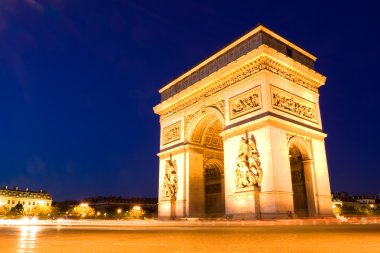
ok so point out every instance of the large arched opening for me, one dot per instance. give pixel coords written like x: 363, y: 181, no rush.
x: 205, y: 135
x: 302, y: 178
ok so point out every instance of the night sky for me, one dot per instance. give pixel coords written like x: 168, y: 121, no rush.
x: 79, y: 78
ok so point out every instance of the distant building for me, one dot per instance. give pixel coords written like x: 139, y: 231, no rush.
x: 366, y: 201
x: 360, y: 204
x: 356, y: 202
x: 378, y: 197
x: 102, y: 204
x: 29, y: 199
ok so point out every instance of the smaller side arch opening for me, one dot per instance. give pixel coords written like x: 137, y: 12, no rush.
x: 214, y: 188
x: 299, y: 158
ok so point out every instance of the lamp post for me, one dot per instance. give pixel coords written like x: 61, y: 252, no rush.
x: 119, y: 210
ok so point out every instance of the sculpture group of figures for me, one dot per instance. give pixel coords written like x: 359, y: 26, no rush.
x: 293, y: 106
x: 248, y: 170
x: 245, y: 104
x: 170, y: 186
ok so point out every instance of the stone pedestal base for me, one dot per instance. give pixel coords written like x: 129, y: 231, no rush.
x: 167, y: 209
x: 246, y: 204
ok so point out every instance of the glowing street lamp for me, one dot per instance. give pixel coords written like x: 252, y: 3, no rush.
x: 118, y: 211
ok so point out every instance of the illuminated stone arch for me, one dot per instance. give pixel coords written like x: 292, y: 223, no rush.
x: 206, y: 142
x: 302, y: 145
x: 202, y: 122
x: 261, y: 85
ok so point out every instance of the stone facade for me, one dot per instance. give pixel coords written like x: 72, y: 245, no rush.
x: 29, y: 199
x: 246, y: 139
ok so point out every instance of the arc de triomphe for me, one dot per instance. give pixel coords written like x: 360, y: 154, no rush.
x: 241, y: 134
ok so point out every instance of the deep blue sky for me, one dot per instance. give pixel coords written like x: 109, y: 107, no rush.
x: 79, y: 78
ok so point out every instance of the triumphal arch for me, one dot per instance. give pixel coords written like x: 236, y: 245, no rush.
x: 241, y: 134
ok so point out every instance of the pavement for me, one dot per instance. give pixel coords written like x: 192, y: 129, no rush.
x: 194, y: 235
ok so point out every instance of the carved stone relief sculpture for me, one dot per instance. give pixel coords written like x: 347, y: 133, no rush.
x: 220, y: 104
x: 292, y: 104
x: 170, y: 187
x: 188, y: 118
x: 171, y: 133
x: 248, y: 169
x: 245, y: 103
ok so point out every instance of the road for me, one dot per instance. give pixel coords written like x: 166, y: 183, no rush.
x: 193, y: 236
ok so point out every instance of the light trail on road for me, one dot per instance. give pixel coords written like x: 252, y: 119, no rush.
x: 185, y: 237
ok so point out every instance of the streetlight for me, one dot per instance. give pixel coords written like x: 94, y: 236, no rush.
x: 119, y: 210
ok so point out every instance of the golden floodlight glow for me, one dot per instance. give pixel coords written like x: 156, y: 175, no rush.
x: 84, y: 204
x: 137, y: 208
x: 119, y: 210
x: 41, y: 202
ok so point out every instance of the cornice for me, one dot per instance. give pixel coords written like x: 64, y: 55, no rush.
x: 271, y: 119
x: 265, y: 60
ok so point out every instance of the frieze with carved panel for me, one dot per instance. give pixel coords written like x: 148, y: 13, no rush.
x: 252, y: 68
x: 171, y: 133
x: 292, y: 104
x: 244, y: 103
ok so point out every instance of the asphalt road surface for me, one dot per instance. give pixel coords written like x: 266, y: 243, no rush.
x: 181, y: 237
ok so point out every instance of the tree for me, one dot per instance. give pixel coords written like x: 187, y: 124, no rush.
x: 82, y: 211
x: 4, y: 211
x: 17, y: 210
x: 337, y: 210
x: 43, y: 211
x: 135, y: 212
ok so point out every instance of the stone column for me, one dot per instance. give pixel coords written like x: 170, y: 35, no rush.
x: 172, y: 208
x: 311, y: 191
x: 196, y: 183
